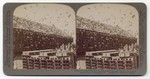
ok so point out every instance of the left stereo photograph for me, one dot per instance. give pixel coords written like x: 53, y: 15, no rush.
x: 43, y: 37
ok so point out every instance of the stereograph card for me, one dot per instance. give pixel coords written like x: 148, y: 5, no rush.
x: 74, y: 38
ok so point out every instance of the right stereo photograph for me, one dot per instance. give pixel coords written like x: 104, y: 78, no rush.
x: 107, y: 36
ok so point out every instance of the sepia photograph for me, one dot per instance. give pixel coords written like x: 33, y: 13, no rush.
x: 107, y: 36
x: 58, y: 36
x: 44, y: 36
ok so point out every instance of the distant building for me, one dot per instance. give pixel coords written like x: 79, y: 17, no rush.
x: 18, y: 64
x: 48, y: 59
x: 111, y: 59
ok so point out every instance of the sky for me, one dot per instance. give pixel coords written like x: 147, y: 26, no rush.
x: 59, y: 15
x: 124, y: 16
